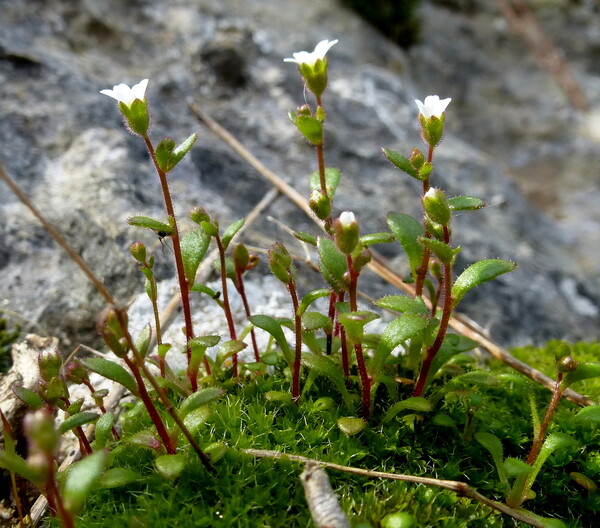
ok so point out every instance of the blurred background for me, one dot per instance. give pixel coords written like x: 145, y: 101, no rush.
x: 522, y: 132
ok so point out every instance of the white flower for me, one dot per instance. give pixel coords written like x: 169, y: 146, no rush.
x: 433, y: 106
x: 347, y: 218
x: 304, y: 57
x: 126, y: 95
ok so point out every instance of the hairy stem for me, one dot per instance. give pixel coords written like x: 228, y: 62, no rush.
x: 226, y: 305
x: 242, y: 291
x: 539, y: 440
x: 298, y: 349
x: 443, y: 329
x: 365, y: 379
x: 422, y: 269
x: 183, y: 283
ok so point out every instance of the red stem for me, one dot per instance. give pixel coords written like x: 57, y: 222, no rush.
x: 422, y: 269
x: 183, y: 283
x: 226, y: 305
x: 298, y: 331
x: 242, y: 291
x: 365, y: 378
x: 53, y: 491
x: 145, y: 397
x: 446, y: 312
x: 539, y: 440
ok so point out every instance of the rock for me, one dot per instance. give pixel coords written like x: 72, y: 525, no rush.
x: 511, y: 139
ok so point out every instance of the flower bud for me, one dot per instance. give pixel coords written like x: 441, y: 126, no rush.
x: 567, y: 364
x: 109, y: 329
x: 313, y: 66
x: 199, y: 215
x: 138, y: 252
x: 280, y: 262
x: 49, y: 362
x: 39, y: 429
x: 241, y: 258
x: 436, y: 206
x: 417, y: 158
x: 320, y: 204
x: 76, y: 373
x: 360, y: 260
x: 346, y: 232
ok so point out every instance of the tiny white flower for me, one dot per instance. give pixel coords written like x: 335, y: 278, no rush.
x: 430, y: 193
x: 305, y: 57
x: 433, y: 106
x: 126, y: 95
x: 347, y: 218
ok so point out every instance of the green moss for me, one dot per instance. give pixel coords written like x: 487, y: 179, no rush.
x: 249, y: 492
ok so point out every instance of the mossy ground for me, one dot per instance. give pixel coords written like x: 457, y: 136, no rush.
x: 252, y: 492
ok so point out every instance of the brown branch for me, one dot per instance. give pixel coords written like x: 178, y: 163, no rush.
x: 379, y: 265
x: 461, y: 488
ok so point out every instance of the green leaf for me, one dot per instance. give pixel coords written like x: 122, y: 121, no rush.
x: 396, y: 332
x: 354, y: 323
x: 77, y: 420
x: 230, y: 232
x: 81, y: 479
x: 582, y: 372
x: 401, y: 163
x: 478, y: 273
x: 417, y: 403
x: 306, y: 237
x: 171, y: 466
x: 16, y: 464
x: 333, y: 264
x: 351, y: 426
x: 103, y: 429
x: 117, y: 477
x: 310, y: 127
x: 312, y: 321
x: 403, y: 304
x: 179, y: 153
x: 441, y: 250
x: 311, y: 297
x: 324, y: 366
x: 163, y: 152
x: 332, y: 180
x: 201, y: 397
x: 452, y: 345
x: 513, y: 467
x: 143, y: 341
x: 465, y: 203
x: 194, y: 245
x: 376, y: 238
x: 112, y: 371
x: 273, y: 327
x: 284, y: 398
x: 150, y: 223
x: 28, y: 397
x: 493, y: 444
x: 196, y: 418
x: 591, y: 413
x: 407, y: 231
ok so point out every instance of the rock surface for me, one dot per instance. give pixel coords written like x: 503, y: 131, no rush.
x: 512, y: 138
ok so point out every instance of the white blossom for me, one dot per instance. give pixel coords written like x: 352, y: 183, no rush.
x: 433, y: 106
x: 126, y: 95
x: 305, y: 57
x: 347, y: 218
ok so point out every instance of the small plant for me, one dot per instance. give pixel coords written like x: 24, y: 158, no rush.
x: 335, y: 391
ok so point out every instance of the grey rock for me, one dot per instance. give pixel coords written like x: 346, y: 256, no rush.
x: 511, y: 139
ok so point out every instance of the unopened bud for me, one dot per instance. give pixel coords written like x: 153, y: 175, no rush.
x: 320, y: 204
x: 138, y: 252
x: 49, y: 362
x: 436, y: 206
x: 199, y: 215
x: 241, y: 258
x: 40, y: 430
x: 346, y: 232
